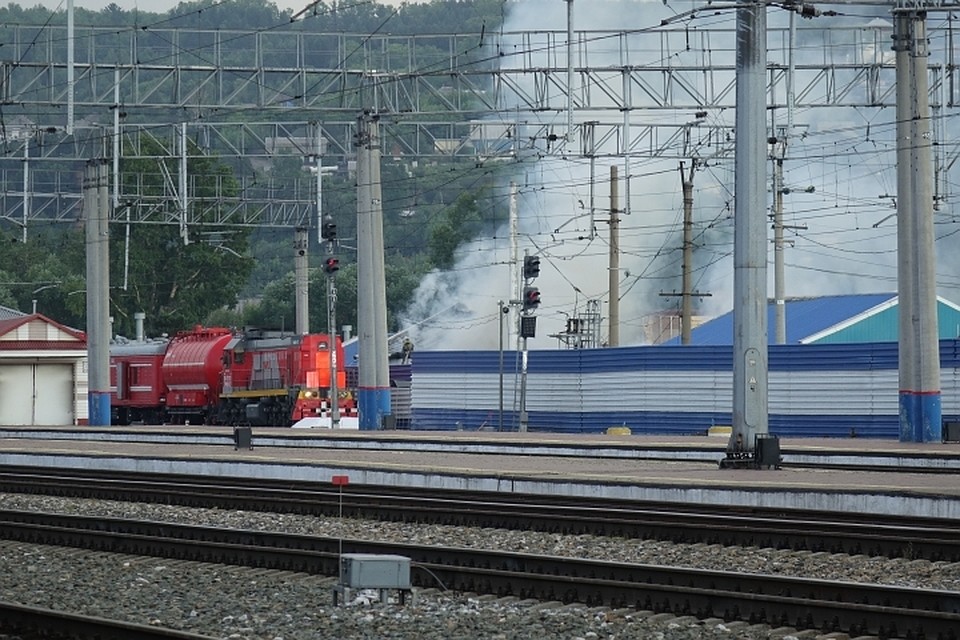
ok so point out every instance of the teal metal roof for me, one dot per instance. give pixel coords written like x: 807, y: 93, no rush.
x: 841, y: 319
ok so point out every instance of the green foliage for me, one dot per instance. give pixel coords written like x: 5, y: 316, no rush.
x: 430, y: 208
x: 178, y: 284
x: 44, y: 269
x: 453, y: 227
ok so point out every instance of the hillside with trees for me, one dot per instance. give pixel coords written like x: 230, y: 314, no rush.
x: 430, y: 207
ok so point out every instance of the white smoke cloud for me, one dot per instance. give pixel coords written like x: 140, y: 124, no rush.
x: 841, y: 236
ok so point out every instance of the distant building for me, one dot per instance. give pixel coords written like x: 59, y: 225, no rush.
x: 663, y: 326
x: 842, y: 319
x: 43, y: 371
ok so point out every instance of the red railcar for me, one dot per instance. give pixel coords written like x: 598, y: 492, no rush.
x: 193, y: 373
x: 136, y: 384
x: 219, y: 376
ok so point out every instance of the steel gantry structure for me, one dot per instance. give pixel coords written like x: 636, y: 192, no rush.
x: 260, y: 95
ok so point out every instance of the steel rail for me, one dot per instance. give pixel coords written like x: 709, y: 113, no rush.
x: 855, y: 608
x: 50, y: 624
x: 930, y: 538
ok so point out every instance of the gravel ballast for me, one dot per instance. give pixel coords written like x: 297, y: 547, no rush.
x: 232, y: 602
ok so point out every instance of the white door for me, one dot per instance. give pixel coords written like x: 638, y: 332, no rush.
x: 40, y: 394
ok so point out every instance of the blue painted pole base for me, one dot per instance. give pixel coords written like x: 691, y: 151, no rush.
x: 373, y: 404
x: 98, y: 408
x: 921, y: 417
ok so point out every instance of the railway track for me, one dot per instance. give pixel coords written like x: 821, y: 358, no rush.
x: 928, y: 538
x: 31, y: 623
x: 853, y: 608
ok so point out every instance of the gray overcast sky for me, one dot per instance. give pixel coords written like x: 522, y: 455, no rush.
x: 158, y: 6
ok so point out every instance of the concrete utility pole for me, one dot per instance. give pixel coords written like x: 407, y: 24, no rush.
x: 613, y: 281
x: 516, y: 281
x: 919, y: 369
x: 687, y: 293
x: 373, y: 392
x: 96, y: 209
x: 779, y: 286
x: 750, y: 233
x: 570, y: 74
x: 686, y: 301
x: 301, y: 285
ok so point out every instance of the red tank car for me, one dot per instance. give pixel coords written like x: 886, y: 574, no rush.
x: 277, y: 380
x: 136, y: 386
x: 193, y: 373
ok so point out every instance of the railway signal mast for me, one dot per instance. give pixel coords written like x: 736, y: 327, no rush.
x: 528, y: 325
x: 328, y: 232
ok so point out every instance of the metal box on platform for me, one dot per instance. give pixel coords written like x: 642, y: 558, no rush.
x: 373, y: 571
x: 951, y: 431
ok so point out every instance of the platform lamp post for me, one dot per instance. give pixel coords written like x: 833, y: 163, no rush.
x: 502, y: 310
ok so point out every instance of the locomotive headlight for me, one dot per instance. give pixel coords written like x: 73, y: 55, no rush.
x: 310, y: 394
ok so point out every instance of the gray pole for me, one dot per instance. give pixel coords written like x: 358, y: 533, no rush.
x: 500, y: 314
x: 182, y: 182
x: 779, y: 284
x: 516, y: 279
x: 613, y: 281
x: 302, y: 292
x: 570, y: 104
x: 374, y: 376
x: 919, y: 367
x: 334, y: 343
x: 523, y: 385
x: 98, y: 292
x: 686, y: 299
x: 26, y: 187
x: 749, y: 245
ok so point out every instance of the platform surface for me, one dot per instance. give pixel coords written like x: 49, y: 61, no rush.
x: 681, y: 469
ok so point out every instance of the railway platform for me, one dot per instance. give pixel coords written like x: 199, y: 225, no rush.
x: 865, y: 476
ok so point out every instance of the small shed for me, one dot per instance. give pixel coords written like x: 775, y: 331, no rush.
x: 43, y: 371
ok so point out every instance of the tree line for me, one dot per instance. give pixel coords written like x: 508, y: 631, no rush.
x: 430, y: 208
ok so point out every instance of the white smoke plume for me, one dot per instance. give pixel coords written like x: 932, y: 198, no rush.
x: 839, y: 170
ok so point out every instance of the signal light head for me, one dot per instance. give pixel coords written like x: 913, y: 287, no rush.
x: 531, y: 298
x: 328, y: 229
x: 331, y: 265
x: 531, y: 267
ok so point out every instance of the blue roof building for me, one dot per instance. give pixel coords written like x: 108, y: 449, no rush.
x: 841, y: 319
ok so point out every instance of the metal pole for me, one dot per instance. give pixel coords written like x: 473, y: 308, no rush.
x: 919, y: 366
x: 613, y: 281
x: 71, y: 79
x: 374, y: 384
x: 183, y: 184
x: 26, y: 186
x: 779, y: 284
x: 500, y: 314
x: 523, y: 386
x: 570, y: 136
x: 750, y: 247
x: 686, y: 299
x: 515, y: 271
x: 116, y: 177
x: 320, y: 187
x: 334, y: 343
x: 301, y: 281
x: 96, y: 212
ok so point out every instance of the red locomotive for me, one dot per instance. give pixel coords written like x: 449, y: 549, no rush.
x: 219, y: 376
